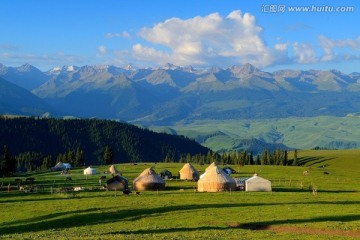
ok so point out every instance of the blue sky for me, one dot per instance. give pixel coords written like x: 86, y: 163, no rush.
x: 266, y: 33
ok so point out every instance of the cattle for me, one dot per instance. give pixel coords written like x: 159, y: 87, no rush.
x: 127, y: 192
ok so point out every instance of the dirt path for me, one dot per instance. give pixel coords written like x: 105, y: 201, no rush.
x: 301, y: 230
x: 315, y: 231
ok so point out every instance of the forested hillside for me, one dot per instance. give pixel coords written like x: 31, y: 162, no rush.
x: 39, y: 143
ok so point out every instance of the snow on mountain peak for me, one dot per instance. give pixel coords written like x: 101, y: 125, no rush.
x: 70, y: 68
x: 63, y: 69
x: 129, y: 67
x: 169, y: 66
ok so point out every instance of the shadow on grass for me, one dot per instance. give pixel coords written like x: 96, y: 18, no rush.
x: 310, y: 161
x: 35, y: 197
x: 286, y: 189
x: 89, y: 217
x: 255, y: 226
x: 266, y: 224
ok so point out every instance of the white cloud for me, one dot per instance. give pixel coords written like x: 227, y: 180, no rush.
x: 281, y: 46
x: 119, y: 35
x: 212, y: 39
x: 215, y: 40
x: 348, y: 47
x: 8, y: 47
x: 304, y: 53
x: 101, y: 51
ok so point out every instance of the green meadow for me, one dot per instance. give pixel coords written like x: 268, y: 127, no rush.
x: 301, y: 133
x: 290, y: 211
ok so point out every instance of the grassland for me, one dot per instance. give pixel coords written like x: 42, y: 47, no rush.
x: 301, y: 133
x: 179, y: 212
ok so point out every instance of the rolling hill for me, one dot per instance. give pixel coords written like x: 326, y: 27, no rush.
x: 18, y: 101
x: 42, y: 136
x: 286, y: 133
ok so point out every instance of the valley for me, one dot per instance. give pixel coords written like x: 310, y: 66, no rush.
x: 284, y: 133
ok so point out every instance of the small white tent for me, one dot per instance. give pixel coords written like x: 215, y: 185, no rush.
x: 257, y: 184
x: 89, y: 171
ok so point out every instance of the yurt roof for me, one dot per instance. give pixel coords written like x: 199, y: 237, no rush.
x: 229, y: 168
x: 189, y: 167
x: 213, y: 164
x: 113, y: 170
x: 149, y: 175
x: 89, y: 170
x: 216, y: 174
x: 256, y: 178
x: 116, y: 178
x: 59, y: 164
x: 67, y: 165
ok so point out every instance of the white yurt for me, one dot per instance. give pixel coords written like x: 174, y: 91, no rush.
x: 257, y: 184
x: 213, y: 164
x: 188, y: 172
x: 89, y: 171
x: 216, y: 180
x: 148, y: 180
x: 117, y: 183
x: 113, y: 170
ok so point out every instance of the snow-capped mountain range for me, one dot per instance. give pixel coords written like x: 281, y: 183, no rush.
x: 173, y: 93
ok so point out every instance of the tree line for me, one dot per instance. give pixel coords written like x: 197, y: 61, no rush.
x: 36, y: 144
x: 39, y: 143
x: 237, y: 157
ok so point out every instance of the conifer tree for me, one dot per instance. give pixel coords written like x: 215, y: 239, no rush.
x: 295, y: 161
x: 108, y: 156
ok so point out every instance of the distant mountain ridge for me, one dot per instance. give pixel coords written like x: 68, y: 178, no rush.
x: 176, y: 96
x: 170, y: 94
x: 18, y: 101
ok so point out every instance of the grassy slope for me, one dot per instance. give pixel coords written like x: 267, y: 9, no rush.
x: 301, y: 133
x: 184, y: 214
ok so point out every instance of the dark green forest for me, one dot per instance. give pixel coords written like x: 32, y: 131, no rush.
x: 39, y: 143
